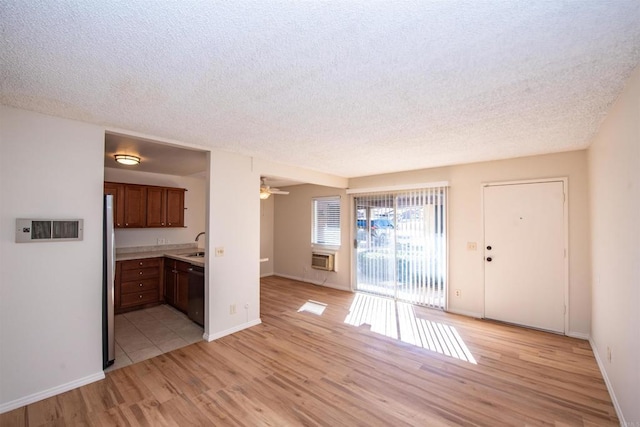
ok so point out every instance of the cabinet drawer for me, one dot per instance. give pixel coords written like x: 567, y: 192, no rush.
x: 136, y: 264
x: 139, y: 286
x: 138, y: 298
x: 140, y: 273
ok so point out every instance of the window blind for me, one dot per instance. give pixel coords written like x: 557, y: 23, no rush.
x: 325, y: 229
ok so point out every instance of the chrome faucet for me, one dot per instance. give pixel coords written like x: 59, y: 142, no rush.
x: 198, y: 236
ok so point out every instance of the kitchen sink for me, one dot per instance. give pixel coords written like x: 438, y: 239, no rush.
x: 195, y: 255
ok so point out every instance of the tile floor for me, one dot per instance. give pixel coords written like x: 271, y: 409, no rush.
x: 143, y: 334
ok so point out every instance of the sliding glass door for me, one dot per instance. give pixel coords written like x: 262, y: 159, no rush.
x: 401, y: 245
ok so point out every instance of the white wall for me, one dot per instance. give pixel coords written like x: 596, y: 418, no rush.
x: 266, y: 235
x: 50, y: 293
x: 292, y: 237
x: 233, y: 224
x: 194, y: 216
x: 614, y: 175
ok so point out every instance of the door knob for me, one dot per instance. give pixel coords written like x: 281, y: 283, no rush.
x: 488, y: 248
x: 489, y: 259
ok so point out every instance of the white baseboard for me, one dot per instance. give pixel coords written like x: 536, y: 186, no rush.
x: 465, y: 313
x: 616, y: 405
x: 230, y: 331
x: 313, y: 282
x: 267, y: 274
x: 579, y: 335
x: 36, y: 397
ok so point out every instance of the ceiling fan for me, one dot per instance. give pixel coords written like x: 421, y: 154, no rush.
x: 266, y: 191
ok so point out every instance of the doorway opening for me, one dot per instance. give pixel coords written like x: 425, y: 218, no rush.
x: 401, y: 245
x: 154, y: 315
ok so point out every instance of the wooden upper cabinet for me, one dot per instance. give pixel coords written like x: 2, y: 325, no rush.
x: 156, y: 207
x: 140, y: 206
x: 117, y: 191
x: 165, y: 207
x: 135, y: 206
x: 175, y: 207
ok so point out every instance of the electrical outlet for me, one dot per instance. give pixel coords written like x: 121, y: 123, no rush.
x: 609, y: 354
x: 458, y: 293
x: 232, y: 309
x: 219, y: 251
x: 472, y: 246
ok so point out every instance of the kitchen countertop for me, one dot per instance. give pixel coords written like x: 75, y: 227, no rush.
x: 176, y: 253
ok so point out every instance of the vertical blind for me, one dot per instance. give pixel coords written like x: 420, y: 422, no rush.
x: 401, y: 245
x: 325, y: 229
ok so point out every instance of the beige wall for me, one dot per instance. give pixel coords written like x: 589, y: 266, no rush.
x: 266, y: 235
x: 293, y: 220
x: 614, y: 174
x: 292, y: 237
x: 466, y: 268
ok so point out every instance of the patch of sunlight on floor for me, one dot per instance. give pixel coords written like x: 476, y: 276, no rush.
x: 314, y: 307
x: 398, y: 320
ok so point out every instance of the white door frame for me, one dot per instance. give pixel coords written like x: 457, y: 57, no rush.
x: 565, y: 214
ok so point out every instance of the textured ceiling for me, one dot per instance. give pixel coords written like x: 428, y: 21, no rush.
x: 350, y: 88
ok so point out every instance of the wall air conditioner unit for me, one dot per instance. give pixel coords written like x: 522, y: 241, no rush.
x: 323, y: 261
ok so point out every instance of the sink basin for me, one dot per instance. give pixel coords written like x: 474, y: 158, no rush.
x: 195, y: 255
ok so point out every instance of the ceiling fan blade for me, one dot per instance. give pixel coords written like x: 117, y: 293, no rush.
x: 276, y: 191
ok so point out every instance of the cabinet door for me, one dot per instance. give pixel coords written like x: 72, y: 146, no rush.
x: 135, y: 206
x: 117, y: 191
x: 170, y: 282
x: 156, y: 207
x: 182, y: 286
x: 175, y: 207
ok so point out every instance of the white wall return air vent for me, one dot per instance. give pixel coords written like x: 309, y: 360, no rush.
x: 322, y: 261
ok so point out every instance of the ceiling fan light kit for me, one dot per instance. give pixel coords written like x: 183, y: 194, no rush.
x: 266, y: 191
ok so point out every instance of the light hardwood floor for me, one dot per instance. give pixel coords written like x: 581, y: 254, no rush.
x: 300, y: 368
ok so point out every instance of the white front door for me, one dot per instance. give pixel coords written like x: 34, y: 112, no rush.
x: 525, y: 254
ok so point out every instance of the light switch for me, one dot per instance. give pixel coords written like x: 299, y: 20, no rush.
x: 220, y: 251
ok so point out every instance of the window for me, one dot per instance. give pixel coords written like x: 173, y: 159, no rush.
x: 325, y: 226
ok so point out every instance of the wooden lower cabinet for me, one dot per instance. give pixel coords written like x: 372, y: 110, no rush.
x: 176, y: 283
x: 138, y: 284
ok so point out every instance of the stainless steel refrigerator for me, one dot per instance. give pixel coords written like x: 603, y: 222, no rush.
x: 108, y: 276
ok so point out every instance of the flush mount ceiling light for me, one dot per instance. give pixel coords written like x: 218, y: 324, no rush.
x: 126, y: 159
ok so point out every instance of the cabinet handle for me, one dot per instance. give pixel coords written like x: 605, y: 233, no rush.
x: 126, y: 224
x: 141, y: 273
x: 169, y: 223
x: 140, y: 296
x: 163, y: 223
x: 140, y: 262
x: 140, y: 284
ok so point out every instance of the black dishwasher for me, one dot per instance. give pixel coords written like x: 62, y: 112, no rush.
x: 196, y: 295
